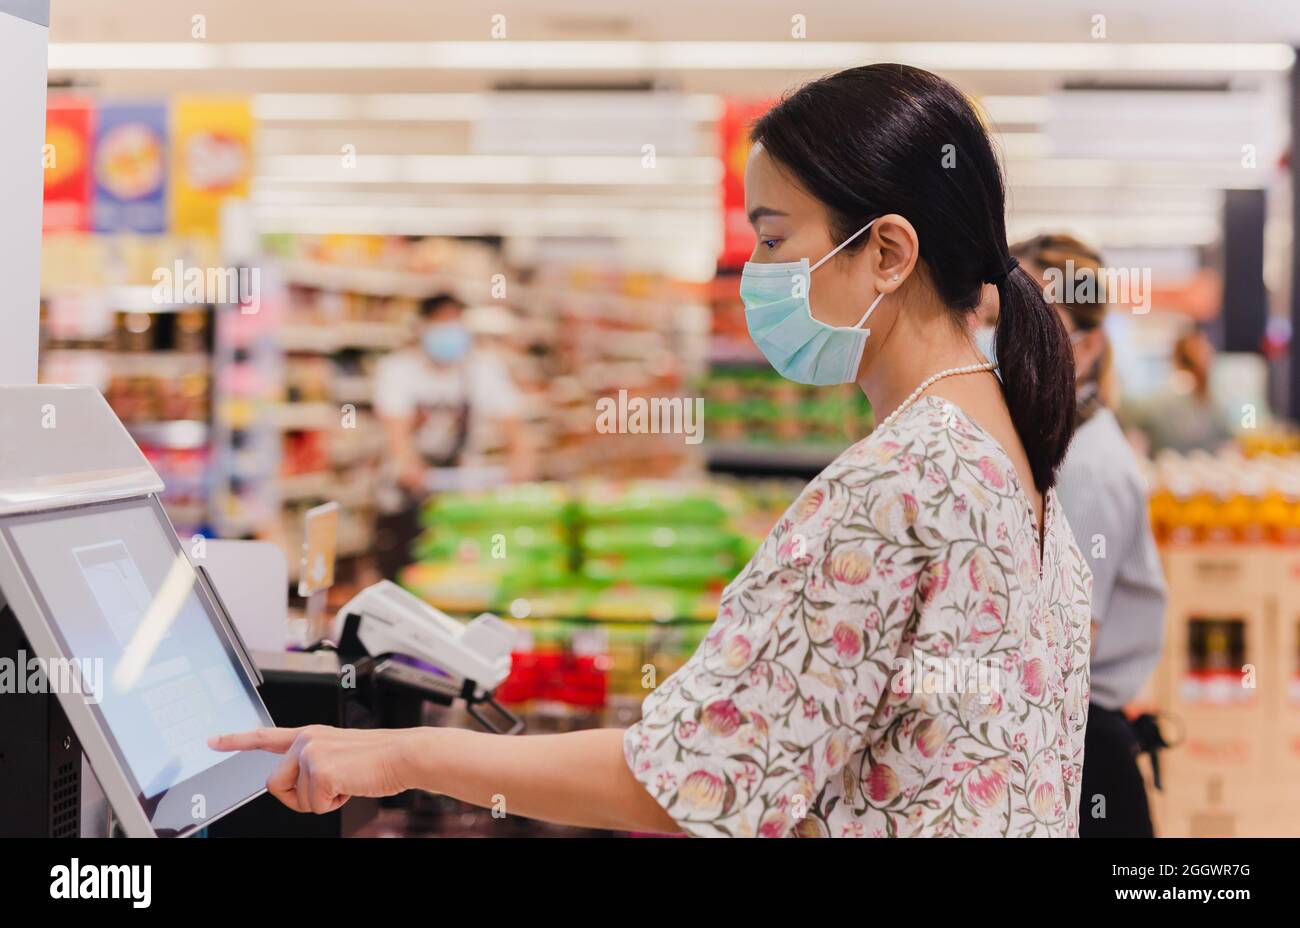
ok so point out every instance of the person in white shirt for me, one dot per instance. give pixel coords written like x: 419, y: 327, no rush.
x: 443, y: 402
x: 1104, y: 497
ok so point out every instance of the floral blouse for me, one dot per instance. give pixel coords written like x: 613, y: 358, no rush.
x: 897, y: 659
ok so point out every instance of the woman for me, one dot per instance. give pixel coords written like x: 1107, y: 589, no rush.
x: 920, y: 545
x: 1182, y: 416
x: 1104, y: 495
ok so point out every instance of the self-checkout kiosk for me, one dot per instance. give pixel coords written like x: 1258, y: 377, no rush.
x: 116, y: 643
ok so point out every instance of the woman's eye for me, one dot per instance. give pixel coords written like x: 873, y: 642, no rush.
x: 770, y: 243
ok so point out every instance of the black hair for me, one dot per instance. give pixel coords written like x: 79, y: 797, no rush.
x: 888, y: 138
x: 431, y: 305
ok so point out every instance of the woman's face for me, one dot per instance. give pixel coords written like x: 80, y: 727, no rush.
x: 790, y: 225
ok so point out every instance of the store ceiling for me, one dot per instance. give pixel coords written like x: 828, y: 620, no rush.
x: 923, y: 21
x: 418, y: 123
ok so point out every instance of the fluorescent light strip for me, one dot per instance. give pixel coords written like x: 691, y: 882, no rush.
x: 492, y: 169
x: 411, y: 107
x: 796, y: 55
x: 275, y: 192
x: 1123, y: 231
x: 1030, y: 110
x: 505, y: 219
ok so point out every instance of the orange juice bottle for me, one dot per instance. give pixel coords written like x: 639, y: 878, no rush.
x: 1201, y: 514
x: 1182, y: 527
x: 1274, y: 514
x: 1290, y: 524
x: 1242, y: 511
x: 1164, y: 512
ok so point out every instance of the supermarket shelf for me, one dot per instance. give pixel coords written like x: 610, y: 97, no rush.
x: 305, y: 417
x: 129, y: 298
x: 140, y: 299
x: 769, y: 459
x: 133, y: 361
x: 332, y: 337
x: 377, y: 281
x: 354, y: 494
x: 180, y: 434
x: 308, y: 486
x: 356, y: 390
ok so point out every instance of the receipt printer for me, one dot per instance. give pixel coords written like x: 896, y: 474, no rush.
x: 424, y: 652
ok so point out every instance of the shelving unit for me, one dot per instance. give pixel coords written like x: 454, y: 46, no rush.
x: 151, y: 359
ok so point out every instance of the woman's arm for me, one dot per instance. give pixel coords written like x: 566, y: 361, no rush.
x: 579, y: 778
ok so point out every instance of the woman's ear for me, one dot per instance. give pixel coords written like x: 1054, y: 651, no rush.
x: 892, y: 251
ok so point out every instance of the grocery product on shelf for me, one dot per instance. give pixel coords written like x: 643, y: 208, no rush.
x: 631, y: 334
x: 1228, y: 525
x: 602, y: 578
x: 1225, y: 499
x: 761, y: 423
x: 103, y: 323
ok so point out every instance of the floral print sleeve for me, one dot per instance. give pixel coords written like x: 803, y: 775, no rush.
x: 808, y: 708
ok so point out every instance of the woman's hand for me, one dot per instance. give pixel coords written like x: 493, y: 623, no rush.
x: 578, y: 778
x: 324, y: 767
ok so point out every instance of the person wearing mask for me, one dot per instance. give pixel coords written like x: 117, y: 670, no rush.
x: 907, y: 651
x: 1104, y: 495
x: 441, y: 401
x: 1183, y: 416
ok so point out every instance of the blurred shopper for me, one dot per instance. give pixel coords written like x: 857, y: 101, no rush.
x: 907, y: 652
x: 1183, y: 416
x: 441, y: 402
x: 1104, y: 496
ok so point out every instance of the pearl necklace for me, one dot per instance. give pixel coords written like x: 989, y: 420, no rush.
x: 929, y: 382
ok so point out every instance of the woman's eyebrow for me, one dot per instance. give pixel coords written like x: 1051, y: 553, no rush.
x: 758, y: 212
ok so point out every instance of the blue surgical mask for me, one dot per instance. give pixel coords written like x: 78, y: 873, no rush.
x: 447, y: 343
x: 781, y: 323
x: 985, y: 337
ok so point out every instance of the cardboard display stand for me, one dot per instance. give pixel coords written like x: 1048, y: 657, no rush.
x: 1236, y: 721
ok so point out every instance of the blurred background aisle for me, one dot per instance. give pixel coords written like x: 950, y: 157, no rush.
x: 251, y: 207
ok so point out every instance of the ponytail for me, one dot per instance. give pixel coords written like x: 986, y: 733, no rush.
x: 1037, y: 368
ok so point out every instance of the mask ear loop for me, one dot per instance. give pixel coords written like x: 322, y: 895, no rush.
x: 870, y: 309
x: 834, y: 251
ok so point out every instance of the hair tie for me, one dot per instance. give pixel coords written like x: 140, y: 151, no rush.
x: 998, y: 276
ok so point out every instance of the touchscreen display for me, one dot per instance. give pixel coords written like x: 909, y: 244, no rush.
x: 119, y: 593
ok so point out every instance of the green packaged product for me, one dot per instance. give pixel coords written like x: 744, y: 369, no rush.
x: 522, y: 504
x: 661, y: 502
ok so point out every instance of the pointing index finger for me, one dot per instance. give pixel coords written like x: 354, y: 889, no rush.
x: 276, y: 740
